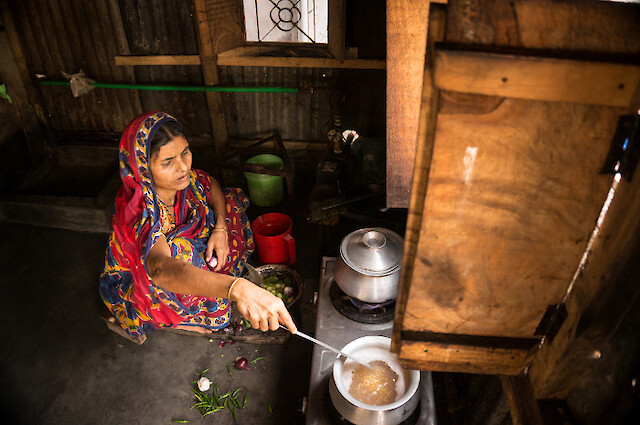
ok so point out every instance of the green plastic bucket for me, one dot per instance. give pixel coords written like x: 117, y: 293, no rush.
x: 265, y: 190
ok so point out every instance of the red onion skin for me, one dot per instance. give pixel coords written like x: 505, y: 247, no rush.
x: 241, y: 363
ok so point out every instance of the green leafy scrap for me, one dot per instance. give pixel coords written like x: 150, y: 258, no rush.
x: 3, y: 93
x: 212, y: 401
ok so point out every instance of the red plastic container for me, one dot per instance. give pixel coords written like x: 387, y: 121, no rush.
x: 274, y: 239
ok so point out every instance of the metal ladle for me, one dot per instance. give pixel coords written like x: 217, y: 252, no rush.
x: 327, y: 346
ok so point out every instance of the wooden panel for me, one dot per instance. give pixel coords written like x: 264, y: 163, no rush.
x: 226, y: 24
x: 595, y: 26
x: 538, y: 78
x: 406, y: 46
x: 445, y: 357
x: 512, y: 197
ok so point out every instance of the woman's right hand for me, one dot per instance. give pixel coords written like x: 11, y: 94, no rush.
x: 260, y: 307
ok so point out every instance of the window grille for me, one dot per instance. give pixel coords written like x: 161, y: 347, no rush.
x: 292, y: 21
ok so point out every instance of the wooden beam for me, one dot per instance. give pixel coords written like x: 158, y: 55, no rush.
x: 337, y: 24
x: 157, y: 60
x: 63, y: 212
x: 538, y: 78
x: 123, y: 47
x: 424, y: 149
x: 448, y: 357
x: 298, y: 62
x: 522, y: 403
x: 242, y: 60
x: 407, y: 23
x: 210, y: 73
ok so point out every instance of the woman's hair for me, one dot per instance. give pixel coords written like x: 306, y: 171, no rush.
x: 166, y: 133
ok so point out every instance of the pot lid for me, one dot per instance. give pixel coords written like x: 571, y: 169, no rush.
x: 373, y: 251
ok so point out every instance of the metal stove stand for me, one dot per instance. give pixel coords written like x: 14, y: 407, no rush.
x: 337, y: 330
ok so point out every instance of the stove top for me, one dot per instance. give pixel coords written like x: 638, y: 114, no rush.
x: 337, y: 330
x: 360, y: 311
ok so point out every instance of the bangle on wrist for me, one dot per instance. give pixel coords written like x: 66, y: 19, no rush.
x: 231, y: 287
x: 219, y: 229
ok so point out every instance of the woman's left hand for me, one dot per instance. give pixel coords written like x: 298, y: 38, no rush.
x: 218, y: 241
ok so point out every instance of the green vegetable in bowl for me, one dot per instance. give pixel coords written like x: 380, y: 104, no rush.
x: 281, y: 287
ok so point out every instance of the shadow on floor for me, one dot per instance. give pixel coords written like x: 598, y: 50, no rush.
x: 62, y: 365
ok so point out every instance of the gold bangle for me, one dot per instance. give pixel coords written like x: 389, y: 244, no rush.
x: 219, y: 229
x: 231, y: 287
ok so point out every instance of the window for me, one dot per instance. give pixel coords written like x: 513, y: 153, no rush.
x: 293, y: 21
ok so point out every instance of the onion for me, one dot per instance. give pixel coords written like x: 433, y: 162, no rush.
x: 241, y: 363
x: 204, y: 384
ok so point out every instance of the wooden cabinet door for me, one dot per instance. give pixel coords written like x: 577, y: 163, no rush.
x: 501, y: 215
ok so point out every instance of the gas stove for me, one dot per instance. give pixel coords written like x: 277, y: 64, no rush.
x: 341, y: 320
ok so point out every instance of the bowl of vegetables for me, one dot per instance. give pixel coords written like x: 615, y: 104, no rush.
x: 282, y: 281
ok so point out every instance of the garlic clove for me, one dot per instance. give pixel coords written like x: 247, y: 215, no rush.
x: 204, y: 384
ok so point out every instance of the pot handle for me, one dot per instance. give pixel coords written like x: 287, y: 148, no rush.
x: 291, y: 245
x: 374, y: 239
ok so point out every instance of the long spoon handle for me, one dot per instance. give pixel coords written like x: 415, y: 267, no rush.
x: 327, y: 346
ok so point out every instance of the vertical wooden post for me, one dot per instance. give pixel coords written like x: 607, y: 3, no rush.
x: 522, y: 403
x: 337, y: 21
x: 123, y: 49
x: 407, y: 22
x: 425, y: 138
x: 209, y: 64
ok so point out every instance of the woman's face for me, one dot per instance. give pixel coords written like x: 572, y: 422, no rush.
x: 171, y: 166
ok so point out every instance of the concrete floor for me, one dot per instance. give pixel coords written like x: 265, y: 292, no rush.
x: 61, y: 365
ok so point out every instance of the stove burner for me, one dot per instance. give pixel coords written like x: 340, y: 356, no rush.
x: 338, y: 419
x: 368, y: 308
x: 361, y: 311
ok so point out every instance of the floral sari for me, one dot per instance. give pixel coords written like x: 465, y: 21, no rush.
x: 138, y: 304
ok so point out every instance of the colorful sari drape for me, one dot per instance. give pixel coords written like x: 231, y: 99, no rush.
x: 138, y: 304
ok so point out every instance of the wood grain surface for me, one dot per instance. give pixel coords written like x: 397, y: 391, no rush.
x: 532, y: 77
x: 406, y: 47
x: 512, y: 198
x: 444, y: 357
x: 522, y: 403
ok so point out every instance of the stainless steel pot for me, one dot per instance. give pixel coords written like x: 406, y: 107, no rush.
x: 369, y: 265
x: 360, y: 413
